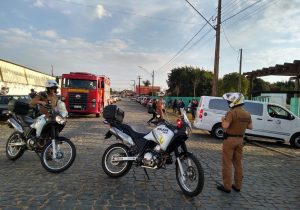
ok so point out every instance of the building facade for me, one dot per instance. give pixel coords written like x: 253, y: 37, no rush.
x: 18, y: 80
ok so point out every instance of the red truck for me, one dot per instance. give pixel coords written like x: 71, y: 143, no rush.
x: 85, y: 93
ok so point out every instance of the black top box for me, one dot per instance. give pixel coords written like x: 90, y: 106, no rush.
x: 18, y: 107
x: 113, y: 113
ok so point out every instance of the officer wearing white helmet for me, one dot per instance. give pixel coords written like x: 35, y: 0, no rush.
x: 47, y: 97
x: 235, y: 123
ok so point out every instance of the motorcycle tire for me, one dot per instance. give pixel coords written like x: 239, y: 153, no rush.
x: 116, y: 169
x: 64, y: 149
x: 192, y: 173
x: 15, y: 152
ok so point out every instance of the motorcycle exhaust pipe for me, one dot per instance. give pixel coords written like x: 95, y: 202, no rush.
x: 12, y: 122
x: 119, y: 134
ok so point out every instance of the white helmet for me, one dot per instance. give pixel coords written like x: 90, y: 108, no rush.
x: 234, y: 99
x: 51, y: 83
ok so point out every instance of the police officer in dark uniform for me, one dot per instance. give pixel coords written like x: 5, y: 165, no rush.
x: 235, y: 123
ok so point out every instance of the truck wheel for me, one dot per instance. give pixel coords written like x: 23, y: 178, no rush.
x: 295, y: 140
x: 217, y: 131
x: 98, y: 115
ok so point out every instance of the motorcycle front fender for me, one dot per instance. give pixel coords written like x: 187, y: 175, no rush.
x: 12, y: 122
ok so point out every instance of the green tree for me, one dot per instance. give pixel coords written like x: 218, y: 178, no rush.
x: 229, y: 83
x: 189, y: 81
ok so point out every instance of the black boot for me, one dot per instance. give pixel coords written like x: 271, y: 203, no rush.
x: 221, y: 188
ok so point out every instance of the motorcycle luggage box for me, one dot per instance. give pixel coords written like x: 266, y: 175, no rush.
x: 18, y: 107
x: 112, y: 112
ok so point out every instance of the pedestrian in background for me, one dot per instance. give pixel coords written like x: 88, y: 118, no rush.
x: 194, y: 108
x: 235, y: 123
x: 32, y: 93
x: 152, y: 110
x: 175, y: 105
x: 160, y: 106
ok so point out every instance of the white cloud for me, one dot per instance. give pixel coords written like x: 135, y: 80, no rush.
x: 49, y: 34
x: 100, y: 12
x: 39, y: 3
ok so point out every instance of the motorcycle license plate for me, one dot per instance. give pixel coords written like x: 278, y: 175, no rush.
x: 77, y: 106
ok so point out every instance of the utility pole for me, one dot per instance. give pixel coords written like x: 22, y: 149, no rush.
x: 217, y: 52
x: 240, y: 71
x: 152, y: 83
x: 139, y: 77
x: 52, y: 70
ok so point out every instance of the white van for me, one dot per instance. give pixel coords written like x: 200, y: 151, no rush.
x: 269, y: 120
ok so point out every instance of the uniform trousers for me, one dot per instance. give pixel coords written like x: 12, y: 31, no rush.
x: 232, y: 156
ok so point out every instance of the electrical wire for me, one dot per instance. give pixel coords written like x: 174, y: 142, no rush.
x: 127, y: 12
x: 182, y: 48
x: 251, y: 5
x: 228, y: 39
x: 255, y: 11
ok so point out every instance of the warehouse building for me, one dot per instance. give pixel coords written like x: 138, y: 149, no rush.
x: 18, y: 80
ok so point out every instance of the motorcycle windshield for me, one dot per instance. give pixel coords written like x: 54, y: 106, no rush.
x: 185, y: 118
x: 61, y: 108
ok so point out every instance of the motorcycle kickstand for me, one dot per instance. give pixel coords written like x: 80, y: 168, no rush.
x: 146, y: 173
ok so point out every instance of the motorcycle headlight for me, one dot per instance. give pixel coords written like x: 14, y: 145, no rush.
x: 60, y: 120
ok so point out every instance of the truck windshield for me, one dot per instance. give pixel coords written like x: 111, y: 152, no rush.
x: 79, y: 83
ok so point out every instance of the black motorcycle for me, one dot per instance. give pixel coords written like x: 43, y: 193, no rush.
x: 40, y: 135
x: 153, y: 150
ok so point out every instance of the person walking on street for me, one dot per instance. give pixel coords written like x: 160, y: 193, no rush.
x: 160, y: 106
x: 235, y: 123
x: 153, y: 110
x: 194, y: 108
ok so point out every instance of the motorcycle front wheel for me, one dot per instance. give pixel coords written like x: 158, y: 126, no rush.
x: 64, y: 157
x: 116, y: 168
x: 192, y: 180
x: 15, y: 146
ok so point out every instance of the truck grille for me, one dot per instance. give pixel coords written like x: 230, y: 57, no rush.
x: 78, y: 101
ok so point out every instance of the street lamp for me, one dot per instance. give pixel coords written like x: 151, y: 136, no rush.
x: 133, y: 85
x: 152, y: 75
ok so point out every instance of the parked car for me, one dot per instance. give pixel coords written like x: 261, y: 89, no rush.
x: 269, y: 120
x: 4, y: 99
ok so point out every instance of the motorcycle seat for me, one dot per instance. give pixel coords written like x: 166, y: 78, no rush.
x: 131, y: 132
x: 25, y: 120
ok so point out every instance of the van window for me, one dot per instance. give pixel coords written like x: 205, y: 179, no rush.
x: 219, y: 104
x: 254, y: 108
x: 277, y: 112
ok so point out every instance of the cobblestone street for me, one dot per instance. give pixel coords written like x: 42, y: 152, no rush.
x: 271, y: 179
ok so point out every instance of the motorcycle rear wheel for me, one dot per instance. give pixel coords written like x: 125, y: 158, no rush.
x: 65, y: 155
x: 192, y: 181
x: 15, y: 152
x: 116, y: 168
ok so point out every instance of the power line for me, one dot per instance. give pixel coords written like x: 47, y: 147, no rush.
x: 126, y: 12
x: 228, y: 39
x: 182, y: 47
x: 200, y: 14
x: 255, y: 11
x: 251, y: 5
x: 195, y: 43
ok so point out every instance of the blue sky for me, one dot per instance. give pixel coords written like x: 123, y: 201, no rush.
x: 114, y: 37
